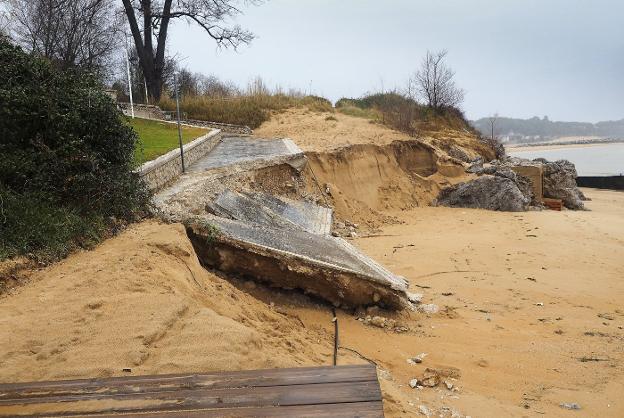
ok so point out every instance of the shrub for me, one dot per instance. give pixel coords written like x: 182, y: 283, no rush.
x: 403, y: 113
x: 67, y: 159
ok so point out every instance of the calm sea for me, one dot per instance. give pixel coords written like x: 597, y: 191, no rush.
x: 596, y: 160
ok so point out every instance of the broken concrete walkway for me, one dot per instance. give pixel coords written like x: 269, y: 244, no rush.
x: 281, y: 241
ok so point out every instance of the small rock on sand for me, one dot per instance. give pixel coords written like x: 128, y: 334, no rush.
x: 570, y: 405
x: 417, y: 359
x: 414, y: 297
x: 429, y: 308
x: 378, y: 321
x: 413, y: 383
x: 424, y: 410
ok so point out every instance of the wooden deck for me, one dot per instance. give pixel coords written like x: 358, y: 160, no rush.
x: 340, y: 392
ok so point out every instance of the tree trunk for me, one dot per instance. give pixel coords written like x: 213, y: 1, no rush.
x: 151, y: 64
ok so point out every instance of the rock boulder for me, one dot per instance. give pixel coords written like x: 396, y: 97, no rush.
x: 560, y: 183
x: 486, y: 192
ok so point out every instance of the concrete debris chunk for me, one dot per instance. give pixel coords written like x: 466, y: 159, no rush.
x: 429, y: 308
x: 560, y: 183
x: 424, y: 410
x: 571, y: 405
x: 415, y: 298
x: 417, y: 359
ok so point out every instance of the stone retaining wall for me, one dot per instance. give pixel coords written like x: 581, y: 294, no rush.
x: 143, y: 111
x: 155, y: 112
x: 159, y: 172
x: 224, y: 127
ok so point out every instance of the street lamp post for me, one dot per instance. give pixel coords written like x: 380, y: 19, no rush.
x: 175, y: 82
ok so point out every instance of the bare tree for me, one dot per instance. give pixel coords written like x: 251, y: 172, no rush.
x: 213, y: 87
x: 493, y: 141
x: 70, y: 33
x: 493, y: 119
x: 434, y: 82
x: 153, y: 25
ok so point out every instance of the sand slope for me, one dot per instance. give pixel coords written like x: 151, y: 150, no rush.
x: 324, y: 131
x: 142, y: 301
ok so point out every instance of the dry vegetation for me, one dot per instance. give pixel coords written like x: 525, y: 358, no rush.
x: 217, y: 101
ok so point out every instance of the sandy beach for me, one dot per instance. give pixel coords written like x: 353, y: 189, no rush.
x: 530, y: 312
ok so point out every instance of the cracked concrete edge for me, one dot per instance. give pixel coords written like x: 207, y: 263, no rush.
x: 392, y: 292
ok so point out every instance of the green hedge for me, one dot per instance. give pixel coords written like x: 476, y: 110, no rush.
x: 66, y: 159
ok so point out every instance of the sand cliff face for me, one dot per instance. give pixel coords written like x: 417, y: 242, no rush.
x: 369, y: 168
x: 364, y: 180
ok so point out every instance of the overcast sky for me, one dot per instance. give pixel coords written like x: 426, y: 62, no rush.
x: 520, y: 58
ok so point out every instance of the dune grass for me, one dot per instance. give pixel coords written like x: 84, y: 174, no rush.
x: 157, y: 138
x: 251, y: 110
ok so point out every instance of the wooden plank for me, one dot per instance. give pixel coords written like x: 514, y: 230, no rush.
x: 173, y: 382
x: 553, y: 204
x: 342, y: 410
x: 310, y: 394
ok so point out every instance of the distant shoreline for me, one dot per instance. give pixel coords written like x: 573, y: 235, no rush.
x: 560, y: 145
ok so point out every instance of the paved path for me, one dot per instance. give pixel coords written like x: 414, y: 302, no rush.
x: 237, y: 150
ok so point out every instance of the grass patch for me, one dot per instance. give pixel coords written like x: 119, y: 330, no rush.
x: 157, y: 138
x: 350, y: 110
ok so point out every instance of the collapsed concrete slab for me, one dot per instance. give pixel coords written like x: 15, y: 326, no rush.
x: 272, y: 211
x: 293, y: 258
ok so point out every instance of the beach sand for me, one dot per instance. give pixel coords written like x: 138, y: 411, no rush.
x: 531, y: 312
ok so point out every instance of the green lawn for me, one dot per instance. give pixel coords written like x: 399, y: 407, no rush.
x: 157, y: 138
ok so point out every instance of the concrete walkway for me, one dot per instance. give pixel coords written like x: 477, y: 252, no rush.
x: 237, y: 150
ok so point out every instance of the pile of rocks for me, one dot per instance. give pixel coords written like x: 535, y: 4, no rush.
x: 499, y: 187
x: 345, y: 229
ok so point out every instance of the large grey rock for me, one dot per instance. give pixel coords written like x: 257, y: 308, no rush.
x: 476, y: 166
x: 559, y: 179
x: 560, y: 183
x: 523, y: 183
x: 486, y: 192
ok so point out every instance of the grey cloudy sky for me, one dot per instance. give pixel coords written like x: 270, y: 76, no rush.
x: 520, y: 58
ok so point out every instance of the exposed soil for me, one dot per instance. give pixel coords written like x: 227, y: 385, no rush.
x: 364, y: 182
x: 313, y: 131
x: 530, y: 315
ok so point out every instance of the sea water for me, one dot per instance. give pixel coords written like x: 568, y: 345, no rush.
x: 594, y: 160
